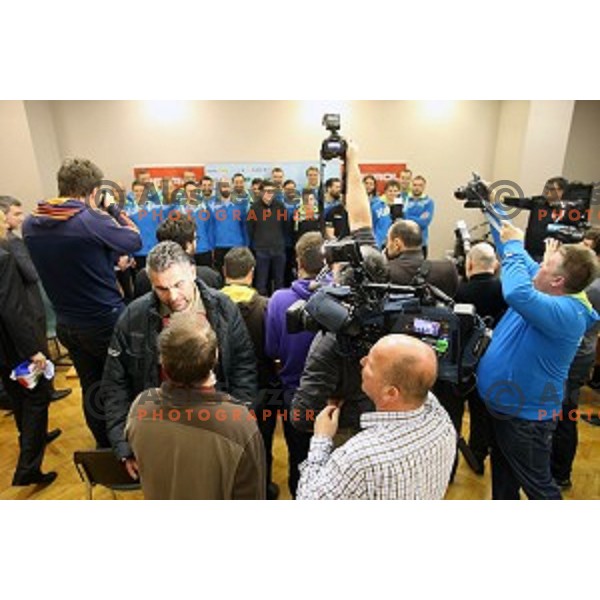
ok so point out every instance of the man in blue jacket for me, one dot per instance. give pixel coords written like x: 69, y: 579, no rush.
x: 419, y: 208
x: 229, y: 224
x: 521, y: 377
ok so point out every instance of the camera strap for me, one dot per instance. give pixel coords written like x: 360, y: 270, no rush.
x: 422, y: 273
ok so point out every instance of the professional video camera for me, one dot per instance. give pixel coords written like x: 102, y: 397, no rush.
x: 363, y: 311
x: 475, y: 193
x: 335, y: 145
x: 570, y: 214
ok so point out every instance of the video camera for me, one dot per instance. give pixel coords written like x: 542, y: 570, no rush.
x: 364, y: 311
x: 475, y: 193
x: 570, y: 214
x: 334, y: 146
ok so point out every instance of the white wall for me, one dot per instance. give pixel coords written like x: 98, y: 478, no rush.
x: 518, y: 140
x: 444, y: 146
x: 19, y: 175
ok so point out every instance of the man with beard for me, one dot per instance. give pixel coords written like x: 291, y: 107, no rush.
x: 132, y: 364
x: 419, y: 208
x: 229, y: 224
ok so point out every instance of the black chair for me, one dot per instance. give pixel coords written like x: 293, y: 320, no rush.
x: 58, y: 356
x: 101, y: 467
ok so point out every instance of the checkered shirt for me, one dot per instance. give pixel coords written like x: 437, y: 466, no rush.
x: 397, y: 456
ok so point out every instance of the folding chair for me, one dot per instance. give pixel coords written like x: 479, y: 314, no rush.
x: 57, y: 355
x: 102, y: 467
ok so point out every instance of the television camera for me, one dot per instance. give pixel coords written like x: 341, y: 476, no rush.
x: 363, y: 311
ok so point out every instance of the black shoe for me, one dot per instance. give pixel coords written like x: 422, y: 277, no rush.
x: 272, y: 491
x: 593, y: 420
x: 59, y: 394
x: 40, y: 479
x: 564, y: 484
x: 52, y: 435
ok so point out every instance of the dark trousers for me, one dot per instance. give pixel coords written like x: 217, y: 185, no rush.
x: 565, y: 438
x: 266, y: 417
x: 219, y: 258
x: 88, y: 348
x: 521, y: 452
x: 30, y: 409
x: 425, y: 250
x: 269, y: 267
x: 452, y: 398
x: 290, y: 266
x: 204, y: 259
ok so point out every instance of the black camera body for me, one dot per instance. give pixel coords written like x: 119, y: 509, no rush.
x: 570, y: 215
x: 475, y: 192
x: 334, y: 146
x: 361, y: 313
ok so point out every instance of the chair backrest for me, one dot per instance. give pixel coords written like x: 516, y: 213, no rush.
x: 50, y: 314
x: 102, y: 467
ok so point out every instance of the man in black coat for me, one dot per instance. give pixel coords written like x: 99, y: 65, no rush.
x: 132, y: 364
x: 483, y: 289
x: 13, y: 210
x: 405, y: 258
x: 22, y: 339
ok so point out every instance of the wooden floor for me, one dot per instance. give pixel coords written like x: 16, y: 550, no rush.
x: 67, y: 414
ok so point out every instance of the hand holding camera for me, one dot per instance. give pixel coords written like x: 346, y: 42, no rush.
x: 510, y: 232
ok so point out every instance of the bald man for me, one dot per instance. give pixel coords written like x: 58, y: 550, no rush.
x: 407, y: 446
x: 483, y: 287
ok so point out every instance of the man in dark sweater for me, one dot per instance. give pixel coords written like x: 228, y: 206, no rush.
x: 405, y: 258
x: 483, y: 289
x: 542, y: 216
x: 267, y: 222
x: 74, y: 241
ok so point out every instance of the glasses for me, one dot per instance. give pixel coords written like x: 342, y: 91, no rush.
x: 268, y: 191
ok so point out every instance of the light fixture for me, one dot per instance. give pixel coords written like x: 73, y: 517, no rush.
x: 166, y: 111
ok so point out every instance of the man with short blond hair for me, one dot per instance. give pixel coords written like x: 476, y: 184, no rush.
x: 522, y: 375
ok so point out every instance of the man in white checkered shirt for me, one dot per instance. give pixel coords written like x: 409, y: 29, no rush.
x: 407, y: 446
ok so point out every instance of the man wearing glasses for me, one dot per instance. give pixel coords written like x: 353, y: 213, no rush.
x: 541, y: 216
x: 266, y: 222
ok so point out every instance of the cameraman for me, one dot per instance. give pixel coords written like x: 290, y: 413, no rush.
x: 406, y: 259
x: 522, y: 374
x: 543, y: 215
x: 328, y: 372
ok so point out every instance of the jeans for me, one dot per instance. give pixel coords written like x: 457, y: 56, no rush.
x: 521, y: 459
x: 88, y: 349
x: 269, y: 266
